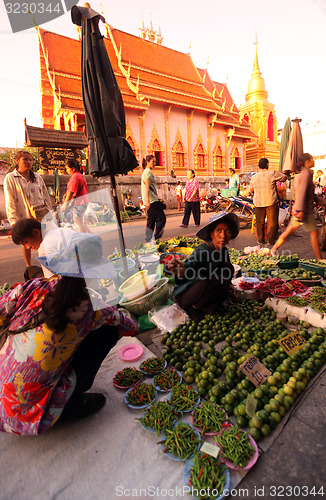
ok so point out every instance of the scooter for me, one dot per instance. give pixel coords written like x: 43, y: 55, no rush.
x: 243, y: 208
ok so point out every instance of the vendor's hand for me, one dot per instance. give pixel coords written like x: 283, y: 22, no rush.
x: 147, y: 206
x: 176, y: 267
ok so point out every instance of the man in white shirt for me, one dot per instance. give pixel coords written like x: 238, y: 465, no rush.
x: 28, y: 232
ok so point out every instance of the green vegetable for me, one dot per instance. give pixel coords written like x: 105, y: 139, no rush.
x: 159, y: 416
x: 209, y: 417
x: 207, y: 474
x: 181, y: 441
x: 235, y: 446
x: 141, y: 394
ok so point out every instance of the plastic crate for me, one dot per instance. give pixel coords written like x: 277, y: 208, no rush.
x: 229, y: 192
x: 288, y: 264
x: 313, y: 268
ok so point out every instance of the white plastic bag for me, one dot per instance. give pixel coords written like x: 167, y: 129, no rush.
x: 282, y: 214
x: 167, y: 318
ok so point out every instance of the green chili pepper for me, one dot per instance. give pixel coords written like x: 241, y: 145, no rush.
x: 141, y: 394
x: 209, y: 417
x: 127, y: 377
x: 159, y: 416
x: 181, y: 441
x: 207, y: 474
x: 152, y: 365
x: 235, y: 446
x: 183, y: 397
x: 167, y: 379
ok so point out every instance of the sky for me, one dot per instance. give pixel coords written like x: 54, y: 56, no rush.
x: 220, y: 36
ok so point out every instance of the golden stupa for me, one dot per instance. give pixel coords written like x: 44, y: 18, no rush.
x: 260, y: 114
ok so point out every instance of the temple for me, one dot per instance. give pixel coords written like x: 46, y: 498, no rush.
x: 260, y: 114
x: 173, y: 109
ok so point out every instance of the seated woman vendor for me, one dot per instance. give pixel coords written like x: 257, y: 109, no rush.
x: 202, y: 281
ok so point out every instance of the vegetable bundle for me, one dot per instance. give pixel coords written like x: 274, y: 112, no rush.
x: 159, y: 416
x: 206, y: 475
x: 152, y: 365
x: 209, y: 417
x: 141, y: 394
x: 182, y: 441
x: 183, y: 397
x: 235, y: 446
x: 127, y: 377
x: 167, y: 379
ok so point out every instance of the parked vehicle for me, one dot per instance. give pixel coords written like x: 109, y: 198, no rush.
x: 243, y: 208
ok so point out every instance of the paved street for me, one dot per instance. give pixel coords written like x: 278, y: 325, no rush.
x: 12, y: 264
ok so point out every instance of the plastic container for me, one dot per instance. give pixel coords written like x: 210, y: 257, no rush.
x: 291, y: 264
x: 229, y: 192
x: 313, y: 268
x: 158, y: 296
x: 138, y: 285
x: 118, y: 266
x: 150, y: 262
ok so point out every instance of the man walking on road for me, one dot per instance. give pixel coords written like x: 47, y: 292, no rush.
x: 265, y: 198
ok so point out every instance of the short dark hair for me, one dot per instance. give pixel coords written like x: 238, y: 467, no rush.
x: 263, y: 163
x: 18, y: 156
x: 232, y: 170
x: 73, y: 164
x: 24, y: 229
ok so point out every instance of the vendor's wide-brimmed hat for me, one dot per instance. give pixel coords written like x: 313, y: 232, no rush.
x: 227, y: 217
x: 81, y: 258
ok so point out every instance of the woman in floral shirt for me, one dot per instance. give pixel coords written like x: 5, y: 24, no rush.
x: 45, y: 371
x: 192, y: 203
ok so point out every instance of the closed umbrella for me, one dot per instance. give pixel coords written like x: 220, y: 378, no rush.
x: 56, y: 187
x: 294, y: 149
x: 284, y: 142
x: 109, y: 151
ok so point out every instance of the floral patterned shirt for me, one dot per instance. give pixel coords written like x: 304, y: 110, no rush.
x: 192, y: 190
x: 36, y: 378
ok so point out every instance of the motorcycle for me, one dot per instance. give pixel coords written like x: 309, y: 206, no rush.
x: 243, y: 208
x: 209, y: 202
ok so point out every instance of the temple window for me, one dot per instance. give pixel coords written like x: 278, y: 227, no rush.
x: 158, y: 153
x: 235, y: 159
x: 200, y: 157
x: 179, y: 155
x: 217, y: 159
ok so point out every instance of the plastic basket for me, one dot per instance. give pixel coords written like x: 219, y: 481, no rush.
x: 288, y: 264
x: 136, y: 282
x: 229, y: 192
x: 315, y: 269
x: 156, y: 297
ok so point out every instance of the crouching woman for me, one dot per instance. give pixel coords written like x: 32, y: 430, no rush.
x: 202, y: 282
x: 58, y: 338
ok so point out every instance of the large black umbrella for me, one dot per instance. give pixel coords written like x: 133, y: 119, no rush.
x: 109, y: 151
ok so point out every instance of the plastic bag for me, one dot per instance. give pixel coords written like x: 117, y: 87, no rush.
x: 282, y: 214
x: 168, y: 318
x: 90, y: 215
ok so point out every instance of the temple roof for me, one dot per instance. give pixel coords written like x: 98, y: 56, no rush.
x: 146, y: 72
x: 45, y: 137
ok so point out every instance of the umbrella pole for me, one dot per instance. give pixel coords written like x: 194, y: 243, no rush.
x: 121, y: 238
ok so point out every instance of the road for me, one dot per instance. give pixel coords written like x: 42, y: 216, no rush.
x: 12, y: 264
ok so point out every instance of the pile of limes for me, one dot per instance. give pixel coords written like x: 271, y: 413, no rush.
x: 249, y: 327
